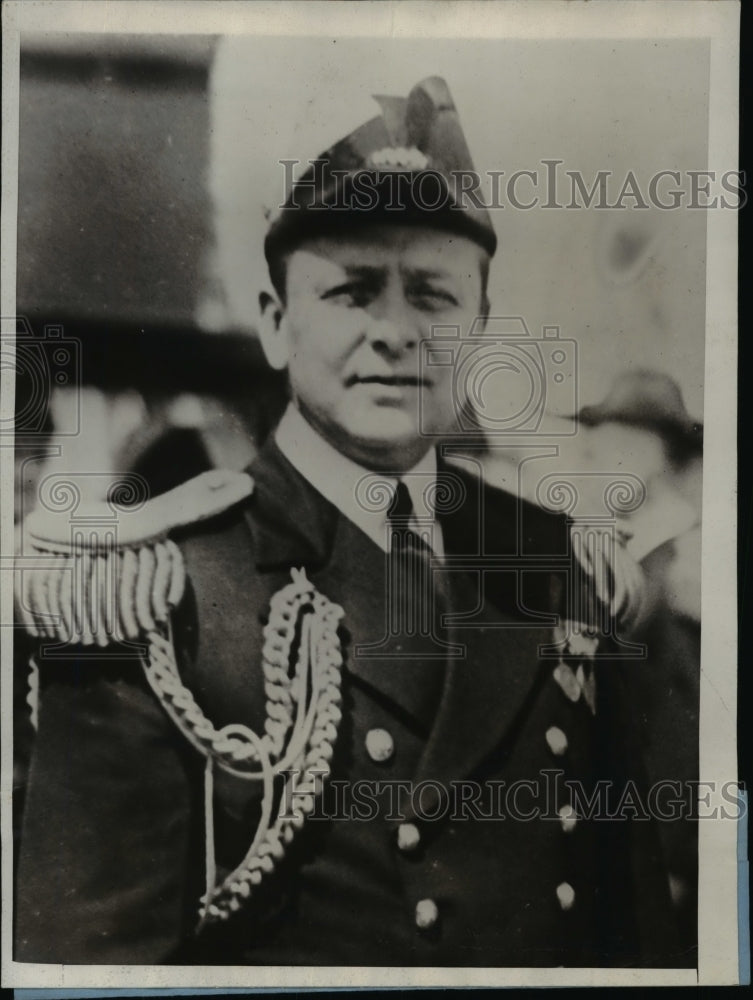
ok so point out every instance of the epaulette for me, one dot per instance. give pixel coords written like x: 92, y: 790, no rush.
x: 614, y: 584
x: 102, y: 578
x: 105, y: 585
x: 608, y: 587
x: 602, y: 604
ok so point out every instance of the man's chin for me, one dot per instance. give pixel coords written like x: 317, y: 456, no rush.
x: 380, y: 423
x: 389, y: 448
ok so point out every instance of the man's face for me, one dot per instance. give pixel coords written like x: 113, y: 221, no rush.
x: 357, y: 309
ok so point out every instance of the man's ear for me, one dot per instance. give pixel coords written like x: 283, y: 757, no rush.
x: 273, y: 331
x: 483, y: 316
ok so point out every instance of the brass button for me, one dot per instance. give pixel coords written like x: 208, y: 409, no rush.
x: 408, y: 837
x: 568, y: 818
x: 566, y: 895
x: 557, y: 740
x: 379, y: 745
x: 427, y: 914
x: 567, y: 681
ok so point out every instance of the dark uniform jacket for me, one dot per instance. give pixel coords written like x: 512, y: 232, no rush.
x: 112, y: 861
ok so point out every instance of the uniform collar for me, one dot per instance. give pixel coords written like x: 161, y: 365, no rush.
x: 360, y: 495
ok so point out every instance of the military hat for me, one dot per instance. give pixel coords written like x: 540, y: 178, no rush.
x: 405, y: 165
x: 649, y: 399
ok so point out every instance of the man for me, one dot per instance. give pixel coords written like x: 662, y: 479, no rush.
x: 358, y: 738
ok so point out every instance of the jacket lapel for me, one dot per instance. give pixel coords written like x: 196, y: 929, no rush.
x: 484, y: 690
x: 405, y: 669
x: 487, y: 689
x: 293, y: 525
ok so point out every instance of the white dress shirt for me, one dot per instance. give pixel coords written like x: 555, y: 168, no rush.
x: 362, y: 496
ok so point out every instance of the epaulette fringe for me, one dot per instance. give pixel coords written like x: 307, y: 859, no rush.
x: 103, y: 580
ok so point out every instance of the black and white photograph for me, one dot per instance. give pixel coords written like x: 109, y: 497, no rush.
x: 367, y: 513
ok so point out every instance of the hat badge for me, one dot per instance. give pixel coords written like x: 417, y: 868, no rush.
x: 398, y: 158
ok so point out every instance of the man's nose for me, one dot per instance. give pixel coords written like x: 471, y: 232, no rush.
x: 391, y: 325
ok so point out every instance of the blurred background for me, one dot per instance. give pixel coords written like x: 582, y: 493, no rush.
x: 147, y: 165
x: 114, y: 250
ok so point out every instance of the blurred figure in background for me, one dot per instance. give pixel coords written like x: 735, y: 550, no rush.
x: 641, y: 432
x: 645, y: 411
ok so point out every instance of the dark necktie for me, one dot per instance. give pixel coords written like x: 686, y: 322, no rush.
x: 415, y: 605
x: 412, y: 581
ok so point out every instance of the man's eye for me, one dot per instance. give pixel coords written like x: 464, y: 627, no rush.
x: 349, y: 294
x: 433, y: 298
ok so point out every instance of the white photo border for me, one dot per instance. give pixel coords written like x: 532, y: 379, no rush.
x: 716, y: 21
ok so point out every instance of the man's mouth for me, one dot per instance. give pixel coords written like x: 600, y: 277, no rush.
x: 389, y: 380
